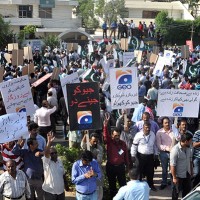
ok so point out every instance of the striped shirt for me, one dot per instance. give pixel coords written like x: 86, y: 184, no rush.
x: 8, y: 155
x: 196, y: 138
x: 14, y: 188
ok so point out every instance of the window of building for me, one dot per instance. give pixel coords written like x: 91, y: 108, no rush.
x: 149, y: 14
x: 45, y: 12
x: 25, y: 11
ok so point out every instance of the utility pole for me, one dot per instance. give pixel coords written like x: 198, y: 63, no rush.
x: 192, y: 31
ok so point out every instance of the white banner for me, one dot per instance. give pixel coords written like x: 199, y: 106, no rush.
x: 124, y: 87
x: 127, y: 56
x: 159, y: 66
x: 178, y: 103
x: 17, y: 95
x: 168, y: 56
x: 13, y: 126
x: 72, y: 78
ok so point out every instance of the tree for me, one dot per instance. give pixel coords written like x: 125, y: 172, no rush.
x: 52, y: 41
x: 6, y: 34
x: 111, y: 10
x: 86, y: 11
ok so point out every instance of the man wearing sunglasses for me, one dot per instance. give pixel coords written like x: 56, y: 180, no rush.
x: 54, y: 176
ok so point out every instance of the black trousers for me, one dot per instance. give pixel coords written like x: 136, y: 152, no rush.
x: 146, y: 167
x: 114, y: 173
x: 184, y: 185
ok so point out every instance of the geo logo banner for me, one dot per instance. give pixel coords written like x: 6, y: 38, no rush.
x: 83, y: 106
x: 178, y: 103
x: 124, y: 87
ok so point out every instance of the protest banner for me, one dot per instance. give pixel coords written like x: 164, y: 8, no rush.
x: 127, y: 56
x: 8, y: 57
x: 185, y: 53
x: 83, y: 106
x: 190, y: 44
x: 1, y: 73
x: 156, y: 50
x: 56, y: 72
x: 178, y: 103
x: 153, y: 58
x: 12, y: 46
x: 17, y: 57
x: 138, y: 55
x: 124, y: 44
x: 27, y: 70
x: 17, y: 95
x: 124, y: 88
x: 159, y: 66
x: 28, y: 55
x: 13, y: 127
x: 41, y: 80
x: 72, y: 78
x: 168, y: 56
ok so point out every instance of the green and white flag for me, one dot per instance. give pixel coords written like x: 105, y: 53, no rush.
x: 90, y: 76
x: 193, y: 69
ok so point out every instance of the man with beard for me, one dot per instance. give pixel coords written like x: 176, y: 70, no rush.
x: 117, y: 158
x: 181, y: 166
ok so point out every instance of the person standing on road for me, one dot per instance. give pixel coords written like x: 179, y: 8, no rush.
x: 181, y: 166
x: 117, y: 158
x: 144, y: 152
x: 164, y: 140
x: 104, y: 28
x: 85, y: 173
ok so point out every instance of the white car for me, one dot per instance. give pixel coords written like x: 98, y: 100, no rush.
x: 193, y: 195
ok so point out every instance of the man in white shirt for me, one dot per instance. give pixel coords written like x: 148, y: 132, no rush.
x: 54, y: 176
x: 14, y: 183
x: 145, y: 149
x: 42, y: 118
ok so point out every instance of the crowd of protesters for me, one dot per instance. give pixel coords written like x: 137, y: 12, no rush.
x: 136, y: 140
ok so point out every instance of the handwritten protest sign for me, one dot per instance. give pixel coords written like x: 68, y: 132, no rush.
x: 17, y: 95
x: 127, y: 56
x: 17, y: 57
x: 72, y: 78
x: 124, y: 88
x: 13, y: 126
x: 159, y: 66
x: 83, y: 106
x: 178, y: 103
x: 153, y: 58
x: 28, y: 53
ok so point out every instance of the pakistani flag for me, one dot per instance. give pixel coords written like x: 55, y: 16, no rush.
x: 84, y: 52
x: 131, y: 62
x: 193, y: 69
x: 90, y: 76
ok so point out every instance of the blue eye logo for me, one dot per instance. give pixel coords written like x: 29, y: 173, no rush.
x: 178, y: 109
x: 21, y: 109
x: 124, y: 77
x: 84, y: 117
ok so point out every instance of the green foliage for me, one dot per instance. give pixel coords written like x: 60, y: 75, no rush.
x: 52, y: 41
x: 177, y: 31
x: 68, y: 157
x: 6, y: 34
x: 111, y: 10
x: 86, y: 11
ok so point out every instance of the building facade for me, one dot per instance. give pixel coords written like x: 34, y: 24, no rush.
x: 140, y: 10
x: 49, y: 16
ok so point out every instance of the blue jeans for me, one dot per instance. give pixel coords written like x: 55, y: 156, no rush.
x: 196, y: 171
x: 164, y: 159
x: 86, y: 197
